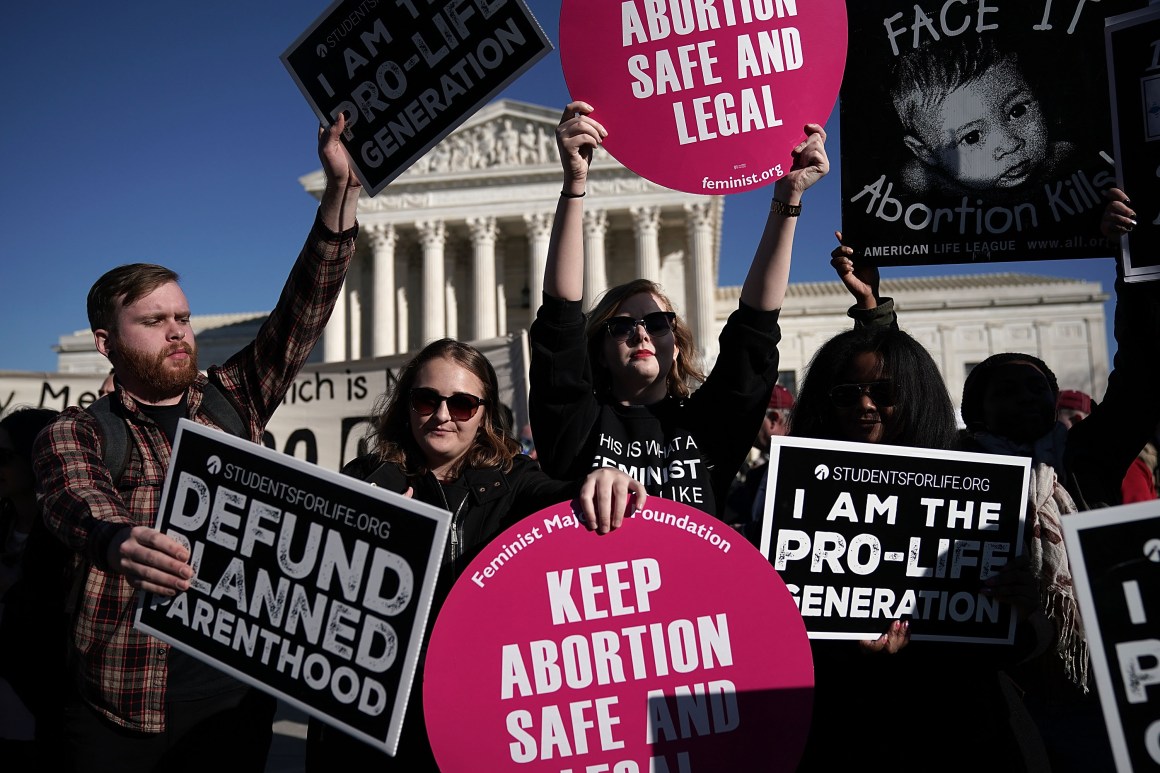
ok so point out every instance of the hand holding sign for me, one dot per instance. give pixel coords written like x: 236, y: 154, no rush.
x: 339, y: 205
x: 810, y: 164
x: 150, y: 561
x: 1119, y: 218
x: 577, y: 137
x: 335, y: 160
x: 607, y: 496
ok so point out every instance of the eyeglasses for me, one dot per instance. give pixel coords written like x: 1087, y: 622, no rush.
x: 848, y: 395
x: 656, y: 324
x: 461, y: 406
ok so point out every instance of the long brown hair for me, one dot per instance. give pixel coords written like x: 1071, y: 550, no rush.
x: 392, y: 439
x: 686, y: 373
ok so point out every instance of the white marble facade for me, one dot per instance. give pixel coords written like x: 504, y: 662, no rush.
x: 456, y: 246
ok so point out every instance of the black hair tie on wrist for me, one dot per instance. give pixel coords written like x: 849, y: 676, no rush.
x: 567, y: 195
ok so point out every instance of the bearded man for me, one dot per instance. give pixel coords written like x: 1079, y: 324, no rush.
x: 139, y: 704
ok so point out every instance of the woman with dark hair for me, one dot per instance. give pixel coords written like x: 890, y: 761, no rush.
x: 875, y: 385
x: 440, y: 437
x: 34, y: 581
x: 945, y: 706
x: 620, y: 388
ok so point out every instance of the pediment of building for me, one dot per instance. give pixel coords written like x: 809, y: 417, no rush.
x: 503, y: 136
x: 508, y: 146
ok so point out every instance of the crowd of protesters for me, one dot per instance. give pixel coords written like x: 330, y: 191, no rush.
x: 77, y: 543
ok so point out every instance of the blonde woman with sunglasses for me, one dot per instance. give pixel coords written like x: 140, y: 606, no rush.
x: 440, y: 437
x: 620, y: 389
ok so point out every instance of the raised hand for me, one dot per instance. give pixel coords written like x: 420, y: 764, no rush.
x: 861, y: 280
x: 577, y: 137
x: 810, y: 164
x: 335, y: 160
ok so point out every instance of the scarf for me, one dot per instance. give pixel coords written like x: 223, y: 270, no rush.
x: 1047, y: 502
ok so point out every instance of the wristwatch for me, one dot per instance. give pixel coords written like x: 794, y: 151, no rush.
x: 778, y: 207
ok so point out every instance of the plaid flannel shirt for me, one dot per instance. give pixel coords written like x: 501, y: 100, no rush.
x: 123, y: 672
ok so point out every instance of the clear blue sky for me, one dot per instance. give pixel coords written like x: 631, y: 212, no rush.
x: 170, y: 133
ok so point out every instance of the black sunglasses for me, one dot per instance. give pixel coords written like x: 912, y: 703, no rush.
x: 848, y: 395
x: 461, y: 406
x: 656, y: 324
x: 8, y: 456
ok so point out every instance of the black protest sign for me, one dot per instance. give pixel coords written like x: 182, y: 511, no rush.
x: 310, y: 585
x: 976, y: 131
x: 866, y: 534
x: 407, y: 72
x: 1115, y: 563
x: 1133, y: 48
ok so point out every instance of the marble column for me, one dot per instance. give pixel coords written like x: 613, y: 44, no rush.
x: 355, y: 312
x: 501, y: 294
x: 382, y: 238
x: 539, y: 233
x: 483, y: 237
x: 595, y: 277
x: 451, y: 285
x: 646, y: 226
x: 402, y: 308
x: 433, y: 236
x: 334, y: 335
x: 701, y: 281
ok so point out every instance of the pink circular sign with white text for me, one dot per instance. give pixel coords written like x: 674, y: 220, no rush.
x: 705, y: 96
x: 670, y: 644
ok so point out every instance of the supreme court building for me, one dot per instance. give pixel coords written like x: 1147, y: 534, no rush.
x: 456, y: 246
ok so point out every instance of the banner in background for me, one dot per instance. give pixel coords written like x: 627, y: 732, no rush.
x: 700, y: 96
x: 976, y: 131
x: 1115, y: 563
x: 310, y: 585
x: 407, y: 72
x: 865, y: 534
x: 669, y: 644
x: 324, y: 417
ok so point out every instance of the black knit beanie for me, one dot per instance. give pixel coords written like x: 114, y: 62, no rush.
x: 976, y: 384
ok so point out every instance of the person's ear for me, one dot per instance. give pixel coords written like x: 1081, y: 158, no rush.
x: 102, y: 339
x: 919, y: 149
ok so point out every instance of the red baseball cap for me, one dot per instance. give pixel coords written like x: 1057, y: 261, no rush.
x: 1075, y: 400
x: 780, y: 398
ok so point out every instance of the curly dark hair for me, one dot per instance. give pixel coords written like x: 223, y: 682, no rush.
x: 392, y: 439
x: 924, y: 416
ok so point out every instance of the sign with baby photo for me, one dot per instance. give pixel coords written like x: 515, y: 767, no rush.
x: 976, y: 131
x: 866, y: 534
x: 703, y: 96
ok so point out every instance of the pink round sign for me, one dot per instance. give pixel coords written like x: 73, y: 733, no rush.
x: 670, y: 644
x: 705, y: 96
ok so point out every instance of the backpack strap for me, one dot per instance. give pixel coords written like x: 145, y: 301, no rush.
x: 118, y: 446
x: 114, y: 436
x: 223, y: 411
